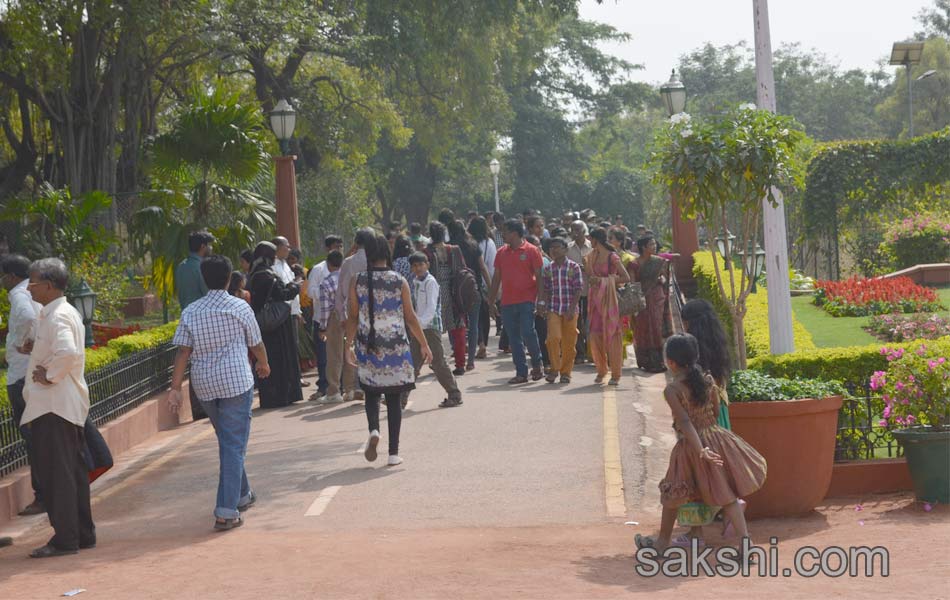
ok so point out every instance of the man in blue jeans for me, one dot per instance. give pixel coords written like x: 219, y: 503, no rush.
x: 215, y: 333
x: 518, y: 272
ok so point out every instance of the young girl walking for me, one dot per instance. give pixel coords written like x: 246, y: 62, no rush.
x: 708, y: 464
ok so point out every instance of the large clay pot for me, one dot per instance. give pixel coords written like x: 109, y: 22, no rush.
x: 797, y: 439
x: 928, y: 458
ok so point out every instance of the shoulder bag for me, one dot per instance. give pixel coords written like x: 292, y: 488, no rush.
x: 274, y: 312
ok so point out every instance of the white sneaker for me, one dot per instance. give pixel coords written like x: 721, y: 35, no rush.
x: 370, y: 452
x: 394, y: 460
x: 334, y: 399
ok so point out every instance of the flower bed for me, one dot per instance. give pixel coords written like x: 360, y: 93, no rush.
x: 897, y: 328
x: 858, y: 297
x: 103, y: 334
x: 915, y: 386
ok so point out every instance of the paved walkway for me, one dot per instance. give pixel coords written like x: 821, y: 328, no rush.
x: 517, y: 493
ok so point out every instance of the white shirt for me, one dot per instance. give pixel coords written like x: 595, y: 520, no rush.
x: 488, y: 253
x: 219, y: 329
x: 286, y: 275
x: 60, y: 346
x: 314, y: 278
x: 578, y: 254
x: 425, y: 300
x: 23, y: 314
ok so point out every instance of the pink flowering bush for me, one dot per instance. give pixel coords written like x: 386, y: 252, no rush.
x: 921, y: 239
x: 915, y: 387
x: 898, y: 328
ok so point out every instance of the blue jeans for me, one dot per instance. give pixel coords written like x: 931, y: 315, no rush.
x: 518, y: 320
x: 231, y: 418
x: 473, y: 329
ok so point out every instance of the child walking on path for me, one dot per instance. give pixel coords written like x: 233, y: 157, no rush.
x: 427, y: 304
x: 563, y: 284
x: 708, y: 463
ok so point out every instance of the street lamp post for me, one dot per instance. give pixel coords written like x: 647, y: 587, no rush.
x: 907, y: 54
x: 283, y: 119
x: 685, y: 235
x: 494, y: 166
x: 83, y: 299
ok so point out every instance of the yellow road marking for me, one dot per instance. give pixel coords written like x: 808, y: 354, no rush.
x: 122, y: 485
x: 613, y: 467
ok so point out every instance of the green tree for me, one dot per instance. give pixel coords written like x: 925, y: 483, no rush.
x: 931, y: 95
x: 208, y: 166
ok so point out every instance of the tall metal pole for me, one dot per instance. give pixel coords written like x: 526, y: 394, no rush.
x: 497, y: 205
x: 910, y: 99
x: 781, y: 339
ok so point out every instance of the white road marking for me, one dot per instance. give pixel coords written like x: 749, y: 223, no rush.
x: 645, y: 441
x: 408, y: 405
x: 320, y: 504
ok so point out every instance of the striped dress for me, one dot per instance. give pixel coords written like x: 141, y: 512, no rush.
x: 389, y: 367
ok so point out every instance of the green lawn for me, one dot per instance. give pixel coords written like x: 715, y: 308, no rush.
x: 831, y: 332
x: 944, y: 294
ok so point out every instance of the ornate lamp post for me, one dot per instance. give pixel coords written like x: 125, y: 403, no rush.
x: 494, y: 166
x: 685, y: 236
x: 83, y: 299
x: 283, y: 119
x: 754, y: 261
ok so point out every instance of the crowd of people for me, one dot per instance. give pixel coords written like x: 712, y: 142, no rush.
x: 370, y: 321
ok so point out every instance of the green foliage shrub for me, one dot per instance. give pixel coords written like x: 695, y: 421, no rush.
x: 753, y: 386
x: 849, y: 365
x: 919, y: 240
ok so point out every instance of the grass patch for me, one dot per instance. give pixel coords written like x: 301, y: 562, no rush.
x: 831, y: 332
x: 944, y: 294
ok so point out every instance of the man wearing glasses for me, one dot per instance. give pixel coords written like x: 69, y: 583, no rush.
x: 57, y: 404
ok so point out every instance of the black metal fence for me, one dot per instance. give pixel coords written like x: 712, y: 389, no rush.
x: 860, y: 435
x: 114, y: 390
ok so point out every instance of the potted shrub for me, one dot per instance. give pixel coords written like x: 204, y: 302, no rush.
x: 916, y: 393
x: 792, y: 423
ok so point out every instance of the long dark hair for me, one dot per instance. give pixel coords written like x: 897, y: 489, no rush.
x: 479, y: 229
x: 599, y: 235
x: 703, y: 323
x: 376, y: 251
x: 237, y: 280
x: 402, y: 248
x: 683, y: 349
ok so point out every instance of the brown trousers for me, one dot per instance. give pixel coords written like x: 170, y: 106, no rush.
x: 337, y: 366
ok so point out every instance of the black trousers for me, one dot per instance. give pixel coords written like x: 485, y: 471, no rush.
x: 64, y: 479
x: 582, y: 329
x: 15, y: 394
x: 393, y: 416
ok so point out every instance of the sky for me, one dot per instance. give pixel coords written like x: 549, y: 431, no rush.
x: 851, y: 33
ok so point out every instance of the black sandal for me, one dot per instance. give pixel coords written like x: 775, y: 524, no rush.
x: 226, y: 524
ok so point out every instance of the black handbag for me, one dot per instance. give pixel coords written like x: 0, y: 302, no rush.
x: 273, y: 314
x: 630, y: 299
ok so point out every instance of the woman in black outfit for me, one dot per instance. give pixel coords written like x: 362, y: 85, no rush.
x: 283, y: 385
x: 476, y: 263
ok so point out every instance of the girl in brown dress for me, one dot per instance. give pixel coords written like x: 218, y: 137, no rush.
x: 708, y: 464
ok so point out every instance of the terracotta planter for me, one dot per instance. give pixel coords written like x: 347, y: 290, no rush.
x: 797, y: 438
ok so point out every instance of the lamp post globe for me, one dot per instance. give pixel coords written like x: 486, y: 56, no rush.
x: 83, y: 299
x: 283, y: 119
x: 673, y: 93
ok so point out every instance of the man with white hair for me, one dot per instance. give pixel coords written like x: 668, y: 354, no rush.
x: 57, y: 404
x: 577, y: 251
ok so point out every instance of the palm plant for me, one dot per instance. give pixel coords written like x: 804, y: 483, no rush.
x: 208, y: 170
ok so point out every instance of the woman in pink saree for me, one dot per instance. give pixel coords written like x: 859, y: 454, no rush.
x: 605, y: 271
x: 653, y: 324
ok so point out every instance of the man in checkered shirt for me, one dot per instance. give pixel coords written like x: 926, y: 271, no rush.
x: 215, y: 333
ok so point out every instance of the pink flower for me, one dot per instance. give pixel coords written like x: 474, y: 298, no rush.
x: 858, y: 508
x: 882, y: 423
x: 928, y: 507
x: 887, y: 411
x: 909, y: 419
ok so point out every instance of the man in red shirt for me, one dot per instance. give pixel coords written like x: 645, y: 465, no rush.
x: 518, y: 273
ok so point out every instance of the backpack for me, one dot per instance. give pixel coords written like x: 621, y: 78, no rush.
x: 464, y: 283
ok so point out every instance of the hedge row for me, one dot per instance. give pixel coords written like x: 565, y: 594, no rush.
x: 115, y: 350
x: 850, y: 365
x: 756, y: 322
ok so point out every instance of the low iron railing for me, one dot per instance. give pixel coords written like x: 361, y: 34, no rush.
x: 860, y: 435
x: 114, y: 390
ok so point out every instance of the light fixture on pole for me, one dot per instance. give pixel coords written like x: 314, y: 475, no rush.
x: 83, y: 299
x: 725, y: 241
x: 908, y: 54
x: 283, y: 119
x: 927, y: 74
x: 673, y: 93
x: 494, y: 166
x: 754, y: 262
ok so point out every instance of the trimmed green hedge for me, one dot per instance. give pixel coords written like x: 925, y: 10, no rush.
x: 113, y: 351
x: 851, y: 365
x: 756, y: 322
x: 755, y: 386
